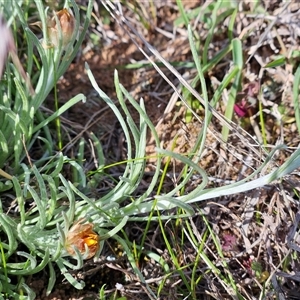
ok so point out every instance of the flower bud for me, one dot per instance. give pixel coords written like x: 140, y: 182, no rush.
x: 80, y: 235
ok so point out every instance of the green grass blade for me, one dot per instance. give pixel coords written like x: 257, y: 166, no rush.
x: 296, y: 97
x: 237, y: 53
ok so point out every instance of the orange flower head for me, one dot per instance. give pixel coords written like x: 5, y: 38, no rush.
x: 67, y: 24
x: 80, y: 235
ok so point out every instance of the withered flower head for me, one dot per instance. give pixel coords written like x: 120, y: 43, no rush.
x: 67, y: 24
x: 80, y: 235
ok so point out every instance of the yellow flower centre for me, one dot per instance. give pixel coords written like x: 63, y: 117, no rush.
x: 91, y: 240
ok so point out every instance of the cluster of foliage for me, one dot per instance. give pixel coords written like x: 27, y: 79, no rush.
x: 46, y: 212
